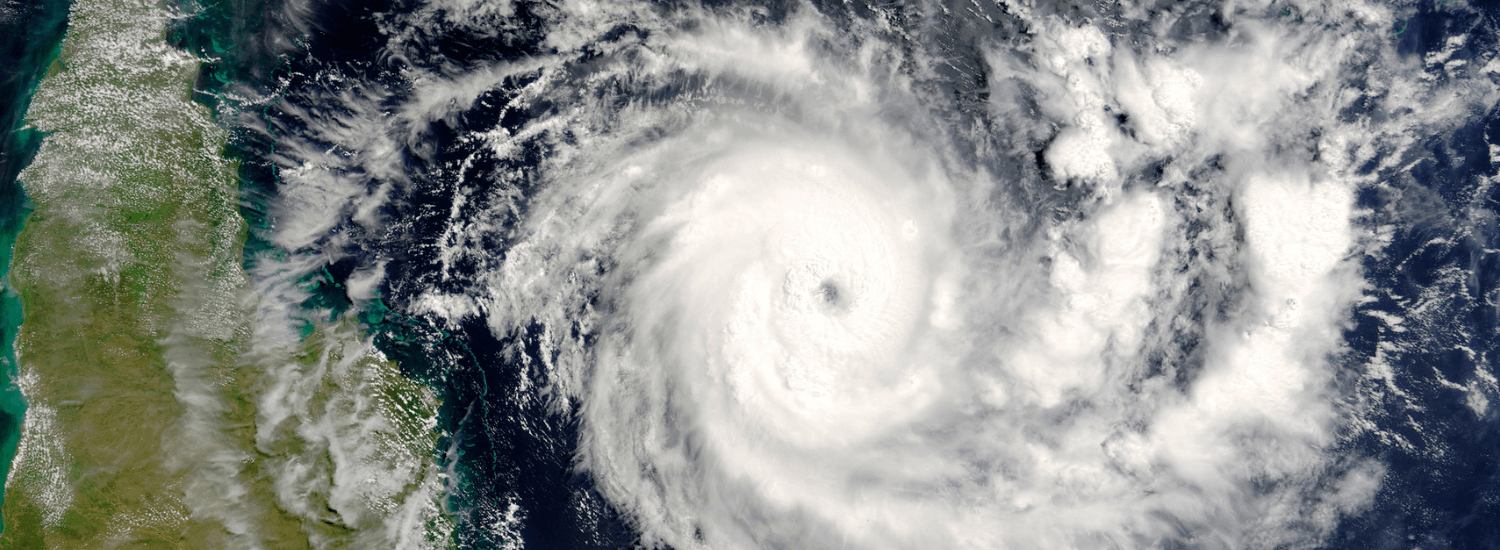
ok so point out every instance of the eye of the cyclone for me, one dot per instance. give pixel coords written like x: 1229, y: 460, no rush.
x: 828, y: 291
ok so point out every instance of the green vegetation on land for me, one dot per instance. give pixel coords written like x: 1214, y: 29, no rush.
x: 133, y: 247
x: 153, y: 421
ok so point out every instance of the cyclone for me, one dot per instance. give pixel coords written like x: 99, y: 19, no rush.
x: 884, y: 275
x: 784, y: 316
x: 796, y: 318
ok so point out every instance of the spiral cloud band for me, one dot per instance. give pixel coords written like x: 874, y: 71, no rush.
x: 780, y: 319
x: 804, y: 285
x: 801, y: 343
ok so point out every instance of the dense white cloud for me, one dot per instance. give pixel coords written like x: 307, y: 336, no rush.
x: 791, y: 315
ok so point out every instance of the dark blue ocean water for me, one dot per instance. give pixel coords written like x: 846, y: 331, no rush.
x: 34, y: 32
x: 1445, y: 491
x: 1442, y: 490
x: 497, y: 441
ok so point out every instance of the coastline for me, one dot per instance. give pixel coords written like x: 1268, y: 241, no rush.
x: 41, y: 29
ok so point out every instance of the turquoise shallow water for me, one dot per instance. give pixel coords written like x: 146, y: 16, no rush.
x: 37, y: 29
